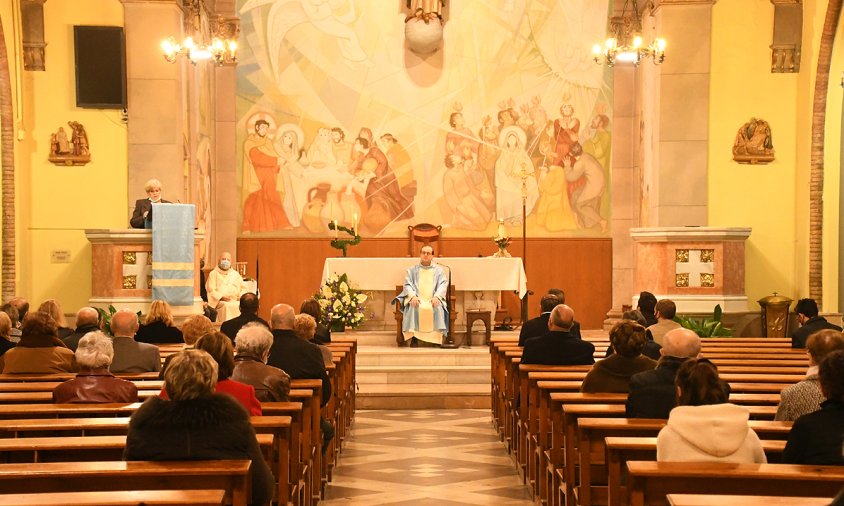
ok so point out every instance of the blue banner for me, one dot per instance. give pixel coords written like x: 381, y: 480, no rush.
x: 172, y: 254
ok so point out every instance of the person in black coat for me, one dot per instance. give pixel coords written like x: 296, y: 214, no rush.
x: 197, y: 424
x: 538, y: 326
x: 142, y: 215
x: 87, y: 320
x: 159, y: 327
x: 248, y: 314
x: 810, y: 322
x: 816, y: 438
x: 653, y: 393
x: 558, y: 346
x: 298, y: 358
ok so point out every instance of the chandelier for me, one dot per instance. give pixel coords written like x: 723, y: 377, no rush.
x: 625, y: 43
x: 207, y: 40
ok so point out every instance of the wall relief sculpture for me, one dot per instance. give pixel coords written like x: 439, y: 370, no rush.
x: 72, y: 150
x: 754, y: 143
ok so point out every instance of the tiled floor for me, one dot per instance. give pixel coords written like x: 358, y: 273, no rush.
x: 425, y: 457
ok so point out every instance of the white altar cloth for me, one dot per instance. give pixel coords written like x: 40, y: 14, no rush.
x: 467, y: 273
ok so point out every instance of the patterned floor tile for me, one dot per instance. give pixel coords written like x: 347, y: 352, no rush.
x: 425, y: 457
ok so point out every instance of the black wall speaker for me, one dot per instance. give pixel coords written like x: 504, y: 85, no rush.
x: 100, y: 53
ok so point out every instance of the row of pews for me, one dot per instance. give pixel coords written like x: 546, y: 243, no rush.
x: 71, y: 454
x: 575, y: 448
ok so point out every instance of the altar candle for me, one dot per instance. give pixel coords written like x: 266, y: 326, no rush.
x: 335, y: 229
x: 502, y: 232
x: 356, y: 224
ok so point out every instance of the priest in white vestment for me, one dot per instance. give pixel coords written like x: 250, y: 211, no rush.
x: 225, y: 286
x: 423, y: 300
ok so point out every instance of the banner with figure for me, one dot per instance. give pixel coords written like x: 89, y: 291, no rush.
x: 172, y: 254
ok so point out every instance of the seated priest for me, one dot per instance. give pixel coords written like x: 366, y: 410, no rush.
x: 423, y: 301
x: 225, y: 286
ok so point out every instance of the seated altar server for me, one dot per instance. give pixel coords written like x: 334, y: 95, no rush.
x: 423, y: 301
x: 225, y: 287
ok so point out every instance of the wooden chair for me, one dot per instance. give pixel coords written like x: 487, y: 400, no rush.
x: 421, y: 235
x: 452, y: 313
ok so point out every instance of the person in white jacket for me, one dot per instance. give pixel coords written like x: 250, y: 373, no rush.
x: 704, y: 427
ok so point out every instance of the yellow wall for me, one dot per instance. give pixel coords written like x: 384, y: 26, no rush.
x: 56, y: 203
x: 772, y: 198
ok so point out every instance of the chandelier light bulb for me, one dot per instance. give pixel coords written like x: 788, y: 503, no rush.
x: 637, y: 42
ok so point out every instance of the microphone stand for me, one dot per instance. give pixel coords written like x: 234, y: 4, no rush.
x: 449, y: 343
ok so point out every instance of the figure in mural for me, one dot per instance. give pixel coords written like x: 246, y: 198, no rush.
x: 399, y: 160
x: 262, y: 211
x: 357, y: 156
x: 459, y: 134
x: 540, y: 134
x: 566, y: 133
x: 468, y: 209
x: 321, y: 154
x: 508, y: 179
x: 289, y: 149
x: 384, y: 199
x: 488, y: 150
x: 341, y: 149
x: 553, y: 210
x: 586, y: 199
x: 599, y: 144
x: 331, y: 17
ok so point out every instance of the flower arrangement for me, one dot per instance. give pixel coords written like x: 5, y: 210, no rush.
x: 341, y: 304
x: 502, y: 242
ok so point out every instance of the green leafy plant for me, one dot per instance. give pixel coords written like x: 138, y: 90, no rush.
x: 706, y: 327
x: 106, y: 315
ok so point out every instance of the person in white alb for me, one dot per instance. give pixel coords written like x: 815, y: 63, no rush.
x: 225, y: 286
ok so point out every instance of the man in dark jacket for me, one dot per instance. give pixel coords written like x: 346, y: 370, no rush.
x: 653, y: 393
x: 810, y: 322
x: 538, y: 326
x: 248, y: 314
x: 87, y: 320
x: 558, y: 346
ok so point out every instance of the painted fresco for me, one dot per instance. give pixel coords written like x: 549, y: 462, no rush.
x: 337, y: 119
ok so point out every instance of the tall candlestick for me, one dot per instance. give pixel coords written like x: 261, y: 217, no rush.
x: 355, y: 228
x: 335, y: 229
x: 502, y: 232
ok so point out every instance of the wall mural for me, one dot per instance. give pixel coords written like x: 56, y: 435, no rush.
x: 336, y: 118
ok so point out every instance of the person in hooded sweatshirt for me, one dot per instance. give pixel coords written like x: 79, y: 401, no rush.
x: 704, y: 427
x: 612, y: 374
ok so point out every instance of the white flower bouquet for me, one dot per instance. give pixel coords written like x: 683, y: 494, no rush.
x: 342, y: 305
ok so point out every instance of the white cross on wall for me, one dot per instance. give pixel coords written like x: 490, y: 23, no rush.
x: 694, y: 267
x: 140, y: 269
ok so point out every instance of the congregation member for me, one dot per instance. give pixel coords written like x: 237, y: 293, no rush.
x: 612, y: 375
x: 87, y: 320
x: 538, y: 326
x: 219, y: 346
x: 131, y: 356
x: 558, y: 346
x: 248, y: 314
x: 322, y: 334
x: 423, y: 301
x: 810, y: 322
x: 665, y: 310
x: 225, y: 287
x: 194, y: 327
x: 6, y: 343
x: 806, y: 396
x: 704, y: 427
x: 653, y: 393
x: 94, y: 383
x: 298, y: 358
x: 816, y: 438
x: 651, y: 349
x: 142, y: 215
x: 12, y: 313
x: 197, y: 424
x: 52, y: 308
x: 561, y: 295
x: 22, y: 305
x: 159, y: 328
x: 250, y: 364
x: 646, y: 307
x: 304, y: 326
x: 40, y: 351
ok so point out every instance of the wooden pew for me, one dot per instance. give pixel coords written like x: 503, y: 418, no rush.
x: 651, y: 481
x: 229, y: 475
x: 744, y: 500
x: 118, y: 498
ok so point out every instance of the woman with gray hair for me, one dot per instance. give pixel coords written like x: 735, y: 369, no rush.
x: 94, y: 383
x: 196, y: 423
x: 271, y: 384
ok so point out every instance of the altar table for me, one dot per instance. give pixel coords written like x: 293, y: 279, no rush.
x: 467, y: 273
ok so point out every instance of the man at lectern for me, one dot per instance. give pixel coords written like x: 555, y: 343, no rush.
x: 423, y: 301
x: 225, y: 286
x: 142, y: 216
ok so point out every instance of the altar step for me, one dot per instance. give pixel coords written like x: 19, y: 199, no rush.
x: 389, y: 377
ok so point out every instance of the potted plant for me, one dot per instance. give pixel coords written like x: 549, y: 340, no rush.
x: 705, y: 327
